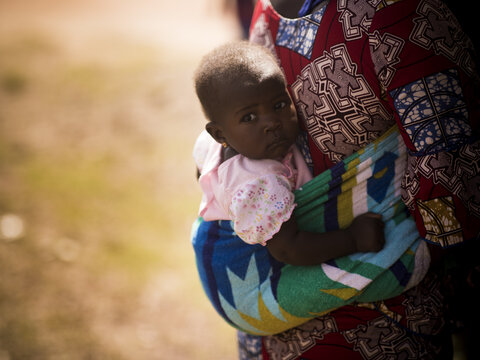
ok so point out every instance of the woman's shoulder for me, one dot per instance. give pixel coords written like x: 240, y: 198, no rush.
x: 202, y: 147
x: 206, y: 153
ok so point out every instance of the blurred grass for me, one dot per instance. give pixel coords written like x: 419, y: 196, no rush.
x: 95, y: 160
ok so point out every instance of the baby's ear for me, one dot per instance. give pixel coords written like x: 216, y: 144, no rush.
x: 215, y: 132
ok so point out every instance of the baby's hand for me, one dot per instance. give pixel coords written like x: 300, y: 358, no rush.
x: 368, y: 233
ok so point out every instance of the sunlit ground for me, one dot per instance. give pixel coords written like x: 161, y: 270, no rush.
x: 97, y: 186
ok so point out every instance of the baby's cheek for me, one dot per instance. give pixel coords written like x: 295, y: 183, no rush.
x: 293, y: 127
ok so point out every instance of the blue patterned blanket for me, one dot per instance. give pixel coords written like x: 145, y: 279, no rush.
x: 259, y: 295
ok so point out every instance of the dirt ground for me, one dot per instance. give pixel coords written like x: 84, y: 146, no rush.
x: 97, y: 187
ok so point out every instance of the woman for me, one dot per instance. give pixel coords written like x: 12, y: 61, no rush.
x: 354, y: 69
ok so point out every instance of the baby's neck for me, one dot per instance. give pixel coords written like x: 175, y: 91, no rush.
x: 228, y: 153
x: 287, y: 8
x: 290, y: 8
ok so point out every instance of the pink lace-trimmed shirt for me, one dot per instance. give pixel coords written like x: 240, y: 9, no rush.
x: 257, y: 195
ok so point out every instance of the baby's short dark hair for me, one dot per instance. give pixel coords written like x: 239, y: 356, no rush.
x: 225, y: 64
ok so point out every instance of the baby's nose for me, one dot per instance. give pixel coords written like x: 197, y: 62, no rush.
x: 271, y: 123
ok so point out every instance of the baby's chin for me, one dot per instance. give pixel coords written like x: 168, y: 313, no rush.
x: 279, y: 152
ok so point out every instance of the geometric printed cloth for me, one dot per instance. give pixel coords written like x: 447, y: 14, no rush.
x: 259, y: 295
x: 356, y: 67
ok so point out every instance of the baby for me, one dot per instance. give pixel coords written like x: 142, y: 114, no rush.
x: 249, y: 165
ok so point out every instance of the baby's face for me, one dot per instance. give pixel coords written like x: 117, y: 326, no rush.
x: 258, y: 118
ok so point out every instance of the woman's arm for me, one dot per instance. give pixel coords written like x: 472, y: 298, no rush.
x: 301, y: 248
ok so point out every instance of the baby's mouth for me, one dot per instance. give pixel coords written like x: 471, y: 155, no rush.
x: 279, y: 142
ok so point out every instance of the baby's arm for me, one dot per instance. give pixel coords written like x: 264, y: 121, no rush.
x: 301, y: 248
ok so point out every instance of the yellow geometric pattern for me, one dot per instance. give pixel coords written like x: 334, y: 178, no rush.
x: 441, y: 225
x: 269, y: 323
x: 344, y: 294
x: 380, y: 305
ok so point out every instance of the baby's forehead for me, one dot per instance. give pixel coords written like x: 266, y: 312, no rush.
x: 251, y: 76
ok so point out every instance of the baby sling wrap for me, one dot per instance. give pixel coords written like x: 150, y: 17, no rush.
x: 259, y: 295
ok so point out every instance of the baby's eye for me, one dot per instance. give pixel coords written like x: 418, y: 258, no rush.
x: 248, y: 117
x: 280, y: 105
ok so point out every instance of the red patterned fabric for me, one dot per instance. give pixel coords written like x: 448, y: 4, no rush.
x: 367, y: 68
x: 410, y: 326
x: 354, y: 69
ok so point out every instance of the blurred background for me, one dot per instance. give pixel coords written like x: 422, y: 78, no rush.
x: 97, y: 184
